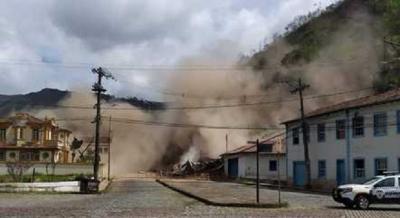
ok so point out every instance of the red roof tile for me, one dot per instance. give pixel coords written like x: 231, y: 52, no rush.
x: 382, y: 98
x: 251, y: 148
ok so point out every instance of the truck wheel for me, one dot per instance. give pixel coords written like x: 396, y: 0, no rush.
x: 362, y: 202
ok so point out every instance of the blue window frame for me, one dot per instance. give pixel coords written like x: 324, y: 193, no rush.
x: 398, y: 121
x: 358, y: 126
x: 273, y: 165
x: 380, y: 124
x: 321, y: 132
x: 295, y: 136
x: 340, y: 129
x: 359, y: 168
x: 380, y: 166
x: 398, y: 164
x: 321, y: 169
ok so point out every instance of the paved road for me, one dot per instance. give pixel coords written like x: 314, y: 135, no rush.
x: 145, y: 198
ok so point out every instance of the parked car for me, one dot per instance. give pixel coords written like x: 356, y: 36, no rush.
x: 384, y: 189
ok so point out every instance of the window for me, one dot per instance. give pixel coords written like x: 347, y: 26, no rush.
x: 359, y: 168
x: 398, y: 165
x: 2, y: 155
x: 340, y: 129
x: 3, y: 133
x: 20, y: 133
x: 321, y: 132
x: 12, y: 155
x: 25, y: 155
x: 262, y: 148
x: 295, y: 136
x: 398, y: 121
x: 321, y: 169
x: 49, y: 135
x: 35, y: 135
x: 380, y: 124
x: 380, y: 166
x: 358, y: 126
x: 36, y: 155
x: 273, y: 165
x: 45, y: 155
x: 389, y: 182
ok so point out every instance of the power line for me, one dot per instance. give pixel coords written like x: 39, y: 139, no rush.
x: 182, y: 125
x: 199, y: 107
x: 177, y: 125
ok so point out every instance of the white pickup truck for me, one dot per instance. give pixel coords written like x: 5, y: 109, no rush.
x: 380, y: 189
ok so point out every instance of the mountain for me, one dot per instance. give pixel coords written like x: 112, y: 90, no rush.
x: 47, y: 98
x: 365, y: 31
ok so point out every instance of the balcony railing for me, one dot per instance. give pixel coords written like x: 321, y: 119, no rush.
x: 52, y: 143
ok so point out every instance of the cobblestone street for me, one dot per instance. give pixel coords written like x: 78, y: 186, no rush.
x: 146, y: 198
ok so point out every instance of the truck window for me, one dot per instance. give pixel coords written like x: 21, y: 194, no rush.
x: 389, y: 182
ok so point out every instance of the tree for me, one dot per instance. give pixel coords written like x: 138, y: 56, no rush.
x: 16, y: 169
x: 76, y: 145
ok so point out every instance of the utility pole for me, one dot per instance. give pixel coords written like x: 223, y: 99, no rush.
x: 257, y: 143
x: 279, y: 178
x: 98, y: 89
x: 226, y: 142
x: 258, y: 171
x: 300, y: 88
x: 109, y: 150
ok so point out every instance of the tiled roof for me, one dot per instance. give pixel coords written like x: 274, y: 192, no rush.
x: 386, y: 97
x: 22, y: 116
x: 251, y: 148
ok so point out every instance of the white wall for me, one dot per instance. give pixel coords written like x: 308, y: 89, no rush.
x: 248, y: 164
x: 367, y: 147
x: 61, y: 169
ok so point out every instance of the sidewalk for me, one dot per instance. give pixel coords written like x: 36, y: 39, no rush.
x: 222, y: 193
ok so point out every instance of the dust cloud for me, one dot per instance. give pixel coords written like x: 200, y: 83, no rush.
x: 349, y: 62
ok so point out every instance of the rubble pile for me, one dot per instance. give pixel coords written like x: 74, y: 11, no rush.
x: 201, y: 168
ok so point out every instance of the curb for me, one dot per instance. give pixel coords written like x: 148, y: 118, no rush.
x: 218, y: 204
x: 289, y: 189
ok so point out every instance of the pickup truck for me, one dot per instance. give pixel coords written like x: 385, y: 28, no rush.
x: 384, y: 189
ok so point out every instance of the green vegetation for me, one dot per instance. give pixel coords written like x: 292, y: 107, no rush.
x: 308, y: 35
x: 389, y: 76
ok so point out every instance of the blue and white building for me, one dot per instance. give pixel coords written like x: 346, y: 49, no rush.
x: 241, y: 162
x: 348, y: 142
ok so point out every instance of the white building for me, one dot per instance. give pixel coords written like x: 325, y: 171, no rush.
x: 242, y: 162
x: 348, y: 142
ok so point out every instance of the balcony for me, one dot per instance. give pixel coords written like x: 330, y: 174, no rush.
x: 52, y: 143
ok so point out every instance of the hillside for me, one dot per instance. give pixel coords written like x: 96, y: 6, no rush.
x: 366, y: 32
x: 48, y: 98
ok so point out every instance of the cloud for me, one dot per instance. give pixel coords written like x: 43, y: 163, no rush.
x: 122, y: 32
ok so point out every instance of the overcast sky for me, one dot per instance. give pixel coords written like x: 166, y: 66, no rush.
x: 54, y: 43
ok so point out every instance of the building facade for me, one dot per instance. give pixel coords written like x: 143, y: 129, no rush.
x: 242, y: 162
x: 348, y: 142
x: 88, y: 146
x: 27, y: 138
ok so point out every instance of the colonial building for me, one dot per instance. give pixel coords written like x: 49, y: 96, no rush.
x: 348, y: 142
x: 242, y: 162
x: 27, y: 138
